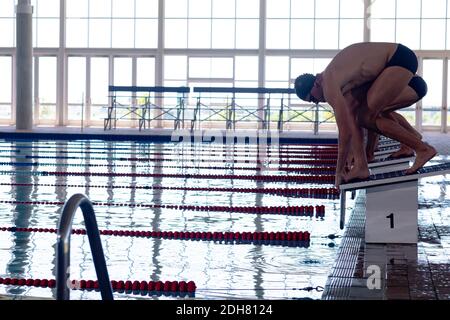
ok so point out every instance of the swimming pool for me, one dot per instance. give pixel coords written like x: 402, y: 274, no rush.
x: 139, y: 186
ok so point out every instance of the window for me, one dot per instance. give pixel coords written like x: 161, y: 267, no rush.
x: 432, y: 102
x: 277, y: 72
x: 7, y: 23
x: 206, y: 24
x: 6, y: 85
x: 112, y: 23
x: 46, y: 90
x: 418, y: 24
x: 314, y: 24
x: 99, y: 87
x: 76, y: 87
x: 210, y: 68
x: 46, y: 23
x: 123, y: 76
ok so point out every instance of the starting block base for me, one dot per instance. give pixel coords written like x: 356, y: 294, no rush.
x: 391, y: 213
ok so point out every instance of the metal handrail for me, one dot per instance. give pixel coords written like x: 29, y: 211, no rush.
x: 63, y: 247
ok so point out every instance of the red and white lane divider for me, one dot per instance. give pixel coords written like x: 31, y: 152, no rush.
x: 322, y: 179
x: 296, y: 238
x: 289, y: 211
x: 316, y: 193
x: 135, y: 287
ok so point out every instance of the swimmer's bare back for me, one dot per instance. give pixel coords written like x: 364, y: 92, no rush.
x: 360, y: 63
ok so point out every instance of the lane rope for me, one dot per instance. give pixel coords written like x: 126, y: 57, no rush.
x: 128, y: 287
x: 291, y: 238
x: 319, y: 179
x: 307, y: 211
x: 316, y: 193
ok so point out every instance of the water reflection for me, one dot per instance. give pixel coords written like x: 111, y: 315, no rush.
x: 22, y: 191
x: 220, y: 270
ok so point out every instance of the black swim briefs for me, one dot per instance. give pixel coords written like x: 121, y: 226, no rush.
x: 405, y: 58
x: 419, y: 85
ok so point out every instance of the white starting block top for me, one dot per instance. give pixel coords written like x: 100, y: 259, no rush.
x: 397, y: 177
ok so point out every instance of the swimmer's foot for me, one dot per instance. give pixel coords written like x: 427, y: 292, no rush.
x: 422, y: 157
x: 402, y: 153
x: 356, y: 175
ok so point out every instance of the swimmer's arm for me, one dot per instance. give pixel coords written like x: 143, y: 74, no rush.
x: 345, y: 122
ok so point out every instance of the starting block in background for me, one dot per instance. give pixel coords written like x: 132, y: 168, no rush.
x: 389, y: 143
x: 385, y: 166
x: 384, y: 152
x: 392, y: 204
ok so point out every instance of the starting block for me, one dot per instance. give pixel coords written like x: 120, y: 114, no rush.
x: 383, y: 166
x: 392, y: 204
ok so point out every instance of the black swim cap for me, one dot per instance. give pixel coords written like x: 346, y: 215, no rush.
x: 304, y: 84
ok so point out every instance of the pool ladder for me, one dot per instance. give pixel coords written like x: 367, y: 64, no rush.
x: 63, y: 248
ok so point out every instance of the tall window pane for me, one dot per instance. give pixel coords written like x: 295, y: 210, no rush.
x: 99, y: 87
x: 6, y: 85
x: 432, y: 102
x: 76, y: 86
x: 123, y: 76
x: 47, y: 88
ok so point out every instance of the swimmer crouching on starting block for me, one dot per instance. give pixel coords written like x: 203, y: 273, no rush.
x: 386, y: 74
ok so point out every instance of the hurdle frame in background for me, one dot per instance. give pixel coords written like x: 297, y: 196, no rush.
x: 269, y: 109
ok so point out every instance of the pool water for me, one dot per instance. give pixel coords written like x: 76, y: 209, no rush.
x: 220, y: 270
